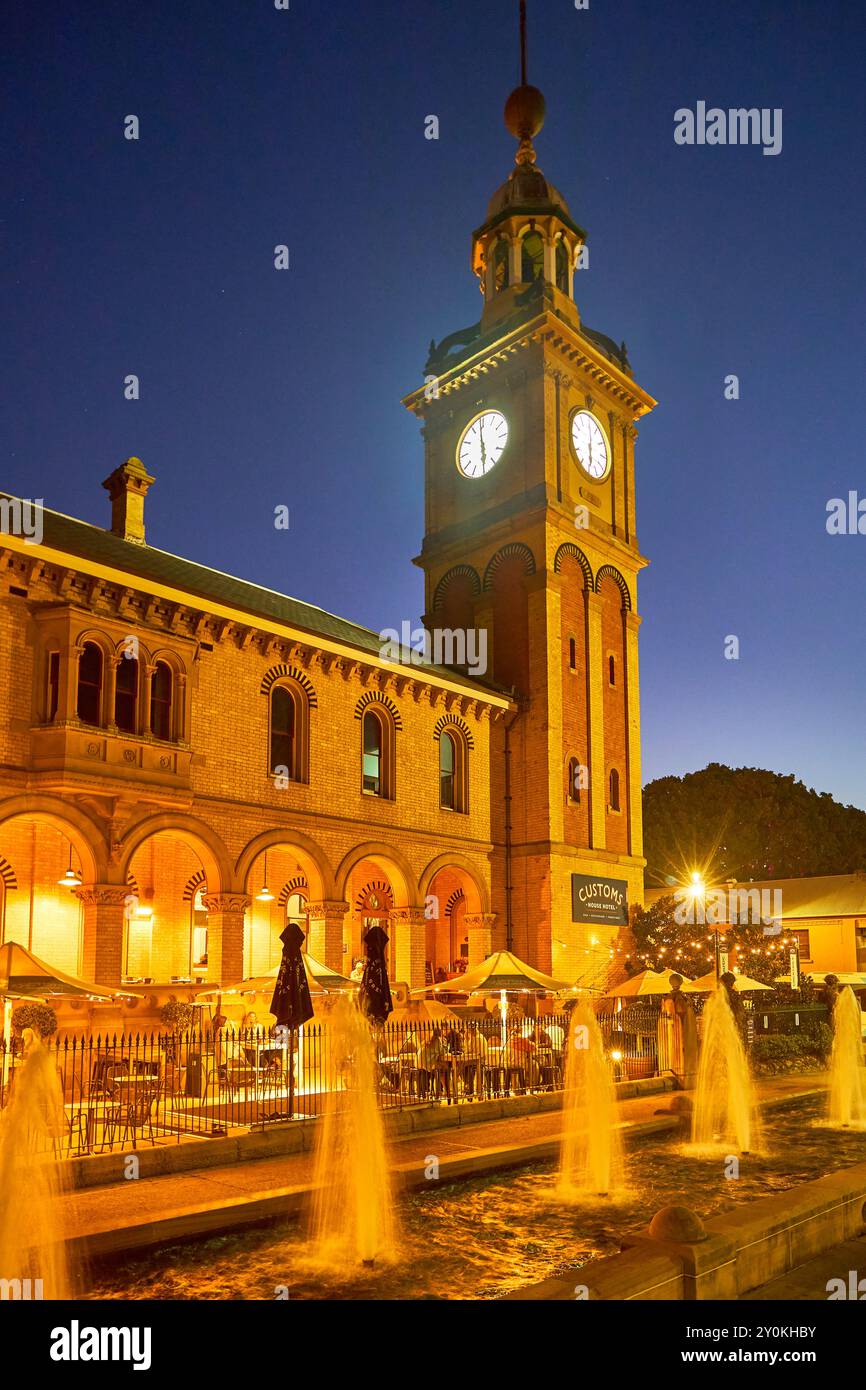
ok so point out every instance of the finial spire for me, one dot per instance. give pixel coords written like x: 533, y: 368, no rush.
x: 524, y: 109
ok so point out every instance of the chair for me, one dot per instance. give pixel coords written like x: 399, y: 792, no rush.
x: 133, y: 1115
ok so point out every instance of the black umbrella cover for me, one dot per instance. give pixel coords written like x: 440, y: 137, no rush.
x: 291, y: 1004
x: 374, y: 996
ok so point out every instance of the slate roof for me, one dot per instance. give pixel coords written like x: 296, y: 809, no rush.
x: 87, y: 542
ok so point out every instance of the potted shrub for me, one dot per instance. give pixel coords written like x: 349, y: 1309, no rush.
x: 40, y: 1017
x: 176, y: 1016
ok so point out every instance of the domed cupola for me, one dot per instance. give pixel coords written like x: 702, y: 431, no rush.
x: 529, y: 234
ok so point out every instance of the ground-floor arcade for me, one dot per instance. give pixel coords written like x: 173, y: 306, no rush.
x: 180, y: 900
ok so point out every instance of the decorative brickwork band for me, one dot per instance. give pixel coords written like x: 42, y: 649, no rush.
x: 226, y: 902
x: 102, y: 895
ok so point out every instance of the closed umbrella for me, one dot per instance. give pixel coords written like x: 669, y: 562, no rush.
x: 291, y: 1004
x: 375, y: 996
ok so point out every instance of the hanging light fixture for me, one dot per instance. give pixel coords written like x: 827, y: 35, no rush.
x: 264, y: 894
x: 70, y: 878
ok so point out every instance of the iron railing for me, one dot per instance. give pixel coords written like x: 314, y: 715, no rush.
x: 166, y: 1087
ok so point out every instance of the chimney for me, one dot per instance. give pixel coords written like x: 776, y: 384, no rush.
x: 127, y: 487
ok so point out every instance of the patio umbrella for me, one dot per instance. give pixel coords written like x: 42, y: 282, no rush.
x: 648, y: 982
x: 502, y: 970
x: 743, y: 984
x: 22, y: 973
x: 501, y: 973
x: 320, y: 978
x: 375, y: 996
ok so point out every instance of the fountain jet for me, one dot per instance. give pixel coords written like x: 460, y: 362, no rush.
x: 847, y: 1098
x: 591, y: 1158
x: 353, y: 1212
x: 723, y: 1107
x: 31, y: 1245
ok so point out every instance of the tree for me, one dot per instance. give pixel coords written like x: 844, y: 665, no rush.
x: 746, y: 823
x: 664, y: 941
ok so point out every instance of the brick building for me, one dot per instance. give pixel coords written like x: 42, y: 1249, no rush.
x: 189, y: 760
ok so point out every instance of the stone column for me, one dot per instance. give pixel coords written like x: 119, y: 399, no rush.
x: 631, y: 623
x: 515, y: 260
x: 225, y: 936
x: 480, y: 928
x: 408, y: 932
x: 179, y: 711
x: 325, y: 933
x: 67, y: 688
x: 104, y: 905
x: 143, y: 720
x: 630, y: 435
x: 597, y: 771
x: 110, y: 691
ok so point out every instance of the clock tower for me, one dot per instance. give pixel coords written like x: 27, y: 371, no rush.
x: 529, y: 434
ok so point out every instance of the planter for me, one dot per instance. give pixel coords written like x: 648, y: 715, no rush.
x: 638, y: 1068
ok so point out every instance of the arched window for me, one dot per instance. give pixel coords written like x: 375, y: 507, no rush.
x: 611, y: 669
x: 561, y: 267
x: 373, y: 754
x: 531, y: 258
x: 90, y: 684
x: 575, y: 779
x: 283, y: 733
x: 500, y: 266
x: 160, y: 701
x: 126, y: 694
x: 447, y: 764
x: 296, y: 912
x: 614, y: 789
x: 572, y: 654
x: 453, y: 781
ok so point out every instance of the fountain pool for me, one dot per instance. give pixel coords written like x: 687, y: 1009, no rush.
x: 485, y: 1237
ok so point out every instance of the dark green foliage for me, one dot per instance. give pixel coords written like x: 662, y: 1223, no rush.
x: 745, y: 823
x: 40, y: 1017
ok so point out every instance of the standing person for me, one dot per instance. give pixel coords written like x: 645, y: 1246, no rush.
x: 431, y: 1055
x: 678, y: 1035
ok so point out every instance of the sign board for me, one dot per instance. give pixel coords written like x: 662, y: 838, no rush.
x: 599, y: 900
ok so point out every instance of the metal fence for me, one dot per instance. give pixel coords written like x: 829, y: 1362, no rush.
x: 121, y: 1091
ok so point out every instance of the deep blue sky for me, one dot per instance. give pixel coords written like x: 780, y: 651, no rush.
x: 307, y: 127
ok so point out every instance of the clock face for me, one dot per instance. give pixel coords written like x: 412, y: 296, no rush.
x: 590, y: 445
x: 481, y: 444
